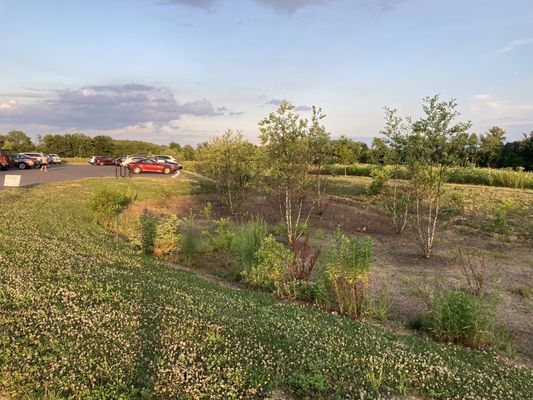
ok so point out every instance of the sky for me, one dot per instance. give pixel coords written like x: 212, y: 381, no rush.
x: 187, y: 70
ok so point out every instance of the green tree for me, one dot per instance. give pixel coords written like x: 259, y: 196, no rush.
x: 230, y: 160
x: 288, y: 153
x: 430, y: 146
x: 320, y: 144
x: 19, y: 141
x: 103, y: 145
x: 491, y: 146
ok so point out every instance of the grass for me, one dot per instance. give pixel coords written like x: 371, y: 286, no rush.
x: 83, y: 315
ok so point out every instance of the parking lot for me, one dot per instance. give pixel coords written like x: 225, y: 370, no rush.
x: 59, y: 173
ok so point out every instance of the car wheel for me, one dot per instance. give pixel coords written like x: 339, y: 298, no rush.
x: 166, y: 170
x: 22, y: 165
x: 137, y: 170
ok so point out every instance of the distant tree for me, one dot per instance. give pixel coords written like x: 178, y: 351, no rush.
x: 491, y: 146
x: 378, y: 152
x: 518, y: 154
x: 19, y: 141
x: 103, y: 145
x: 188, y: 153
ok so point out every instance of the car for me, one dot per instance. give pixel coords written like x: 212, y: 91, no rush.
x: 5, y: 160
x: 22, y: 161
x: 149, y: 165
x: 166, y: 159
x: 129, y: 159
x: 101, y: 160
x: 55, y: 158
x: 37, y: 157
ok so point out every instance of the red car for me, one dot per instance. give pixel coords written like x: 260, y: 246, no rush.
x: 101, y: 160
x: 5, y: 160
x: 148, y: 165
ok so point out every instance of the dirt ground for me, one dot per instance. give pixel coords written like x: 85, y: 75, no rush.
x: 399, y: 267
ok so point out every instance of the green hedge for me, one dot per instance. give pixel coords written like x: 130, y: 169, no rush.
x: 465, y: 175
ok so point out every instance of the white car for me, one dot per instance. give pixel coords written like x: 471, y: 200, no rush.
x: 130, y: 159
x: 164, y: 159
x: 55, y: 158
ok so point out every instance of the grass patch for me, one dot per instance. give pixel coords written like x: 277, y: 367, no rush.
x: 83, y: 315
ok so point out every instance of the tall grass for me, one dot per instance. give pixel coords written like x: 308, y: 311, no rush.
x: 506, y: 177
x: 248, y: 239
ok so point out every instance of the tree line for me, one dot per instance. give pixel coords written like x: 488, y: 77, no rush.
x: 484, y: 150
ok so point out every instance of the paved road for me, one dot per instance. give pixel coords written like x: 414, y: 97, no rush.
x: 63, y: 173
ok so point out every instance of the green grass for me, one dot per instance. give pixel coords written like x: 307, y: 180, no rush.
x: 504, y: 177
x: 82, y: 315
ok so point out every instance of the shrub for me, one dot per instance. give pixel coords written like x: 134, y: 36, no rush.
x: 148, y: 226
x: 224, y: 235
x: 270, y: 267
x: 248, y: 239
x: 463, y: 318
x: 191, y: 242
x: 380, y: 177
x: 106, y: 204
x: 347, y: 266
x: 308, y: 384
x: 474, y: 269
x: 167, y: 239
x: 304, y: 259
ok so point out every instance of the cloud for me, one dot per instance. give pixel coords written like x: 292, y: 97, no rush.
x: 489, y: 111
x: 290, y: 6
x: 302, y: 108
x: 105, y: 107
x: 515, y: 44
x: 207, y: 5
x: 274, y: 102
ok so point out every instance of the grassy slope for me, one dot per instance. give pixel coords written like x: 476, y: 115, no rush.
x: 82, y: 315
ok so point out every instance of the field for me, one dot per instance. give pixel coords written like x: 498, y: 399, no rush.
x: 84, y: 314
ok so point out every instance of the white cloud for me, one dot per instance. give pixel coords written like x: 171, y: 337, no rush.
x: 105, y: 107
x: 514, y: 45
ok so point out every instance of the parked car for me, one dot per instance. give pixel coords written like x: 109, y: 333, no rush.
x: 36, y: 157
x: 101, y: 160
x: 149, y: 165
x: 55, y: 158
x: 5, y: 160
x: 22, y: 161
x: 166, y: 159
x: 130, y: 159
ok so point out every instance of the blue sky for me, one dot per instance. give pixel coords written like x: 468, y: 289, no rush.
x: 185, y: 70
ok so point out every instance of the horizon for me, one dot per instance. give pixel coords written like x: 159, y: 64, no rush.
x: 186, y: 70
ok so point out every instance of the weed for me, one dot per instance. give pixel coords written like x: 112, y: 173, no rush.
x: 148, y: 226
x: 248, y: 239
x: 191, y: 241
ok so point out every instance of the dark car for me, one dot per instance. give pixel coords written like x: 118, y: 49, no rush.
x: 101, y: 160
x: 149, y: 165
x: 22, y: 161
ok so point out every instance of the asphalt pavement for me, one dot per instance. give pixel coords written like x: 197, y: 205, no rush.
x: 60, y: 173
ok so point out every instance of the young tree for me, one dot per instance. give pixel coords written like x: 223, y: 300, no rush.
x: 399, y: 196
x: 230, y: 161
x: 289, y: 155
x: 320, y: 144
x: 431, y: 145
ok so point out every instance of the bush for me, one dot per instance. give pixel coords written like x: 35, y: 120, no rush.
x: 248, y: 239
x: 224, y: 235
x: 106, y: 204
x: 380, y: 177
x: 191, y: 242
x: 167, y: 238
x: 347, y: 266
x: 148, y: 226
x: 463, y: 318
x: 270, y: 267
x: 308, y: 384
